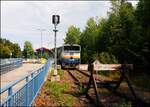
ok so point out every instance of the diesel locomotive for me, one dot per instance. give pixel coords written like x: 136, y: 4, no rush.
x: 69, y: 55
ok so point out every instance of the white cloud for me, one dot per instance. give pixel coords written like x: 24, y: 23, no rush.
x: 20, y: 20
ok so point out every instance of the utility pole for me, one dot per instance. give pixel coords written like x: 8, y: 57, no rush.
x: 41, y: 31
x: 55, y: 21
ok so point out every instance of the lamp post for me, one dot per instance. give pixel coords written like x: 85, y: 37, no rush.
x: 41, y: 31
x: 55, y: 21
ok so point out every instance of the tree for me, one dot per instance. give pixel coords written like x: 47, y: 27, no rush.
x: 6, y: 51
x: 16, y: 51
x: 1, y: 49
x: 124, y: 40
x: 105, y: 58
x: 7, y: 47
x: 123, y: 37
x: 28, y: 51
x: 88, y: 39
x: 45, y: 55
x: 72, y: 35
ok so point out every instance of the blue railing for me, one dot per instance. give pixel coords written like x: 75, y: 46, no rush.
x: 7, y: 65
x: 26, y: 94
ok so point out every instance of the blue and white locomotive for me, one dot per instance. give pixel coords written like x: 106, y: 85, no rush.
x: 69, y: 55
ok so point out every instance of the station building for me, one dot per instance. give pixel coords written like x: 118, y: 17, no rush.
x: 42, y: 51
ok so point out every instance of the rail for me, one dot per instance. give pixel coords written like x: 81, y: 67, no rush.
x: 9, y: 64
x: 27, y: 93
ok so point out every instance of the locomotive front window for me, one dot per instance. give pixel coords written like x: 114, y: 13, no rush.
x: 71, y: 48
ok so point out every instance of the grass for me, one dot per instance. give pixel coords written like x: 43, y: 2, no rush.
x: 81, y: 88
x: 57, y: 90
x: 104, y: 73
x: 113, y: 75
x: 59, y: 71
x: 141, y: 80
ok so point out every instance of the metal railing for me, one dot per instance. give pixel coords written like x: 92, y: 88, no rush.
x: 7, y: 65
x: 27, y: 93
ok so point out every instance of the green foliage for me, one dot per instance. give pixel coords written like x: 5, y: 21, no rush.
x: 9, y: 49
x: 6, y: 51
x: 105, y: 58
x: 45, y: 55
x: 72, y: 35
x: 88, y: 40
x: 60, y: 72
x: 16, y: 51
x: 104, y: 73
x: 139, y: 81
x: 81, y: 88
x: 57, y: 90
x: 28, y: 51
x: 122, y: 37
x: 142, y: 14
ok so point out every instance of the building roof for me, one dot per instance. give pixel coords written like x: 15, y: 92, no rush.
x: 42, y: 48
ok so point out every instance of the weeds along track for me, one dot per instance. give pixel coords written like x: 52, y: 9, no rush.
x: 97, y: 77
x: 83, y: 76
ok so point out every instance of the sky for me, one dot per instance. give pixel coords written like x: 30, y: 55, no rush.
x: 20, y: 20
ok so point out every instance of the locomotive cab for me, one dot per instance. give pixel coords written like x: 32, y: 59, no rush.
x: 70, y: 56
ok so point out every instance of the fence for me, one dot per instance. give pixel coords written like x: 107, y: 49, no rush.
x: 9, y: 64
x: 26, y: 94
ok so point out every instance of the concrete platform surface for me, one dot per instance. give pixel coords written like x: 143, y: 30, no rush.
x: 15, y: 74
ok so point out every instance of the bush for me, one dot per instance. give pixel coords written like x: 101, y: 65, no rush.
x: 105, y: 58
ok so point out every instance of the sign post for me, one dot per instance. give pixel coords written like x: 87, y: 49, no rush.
x: 55, y: 21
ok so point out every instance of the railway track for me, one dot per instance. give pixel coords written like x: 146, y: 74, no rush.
x: 82, y: 77
x: 79, y: 76
x: 98, y: 78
